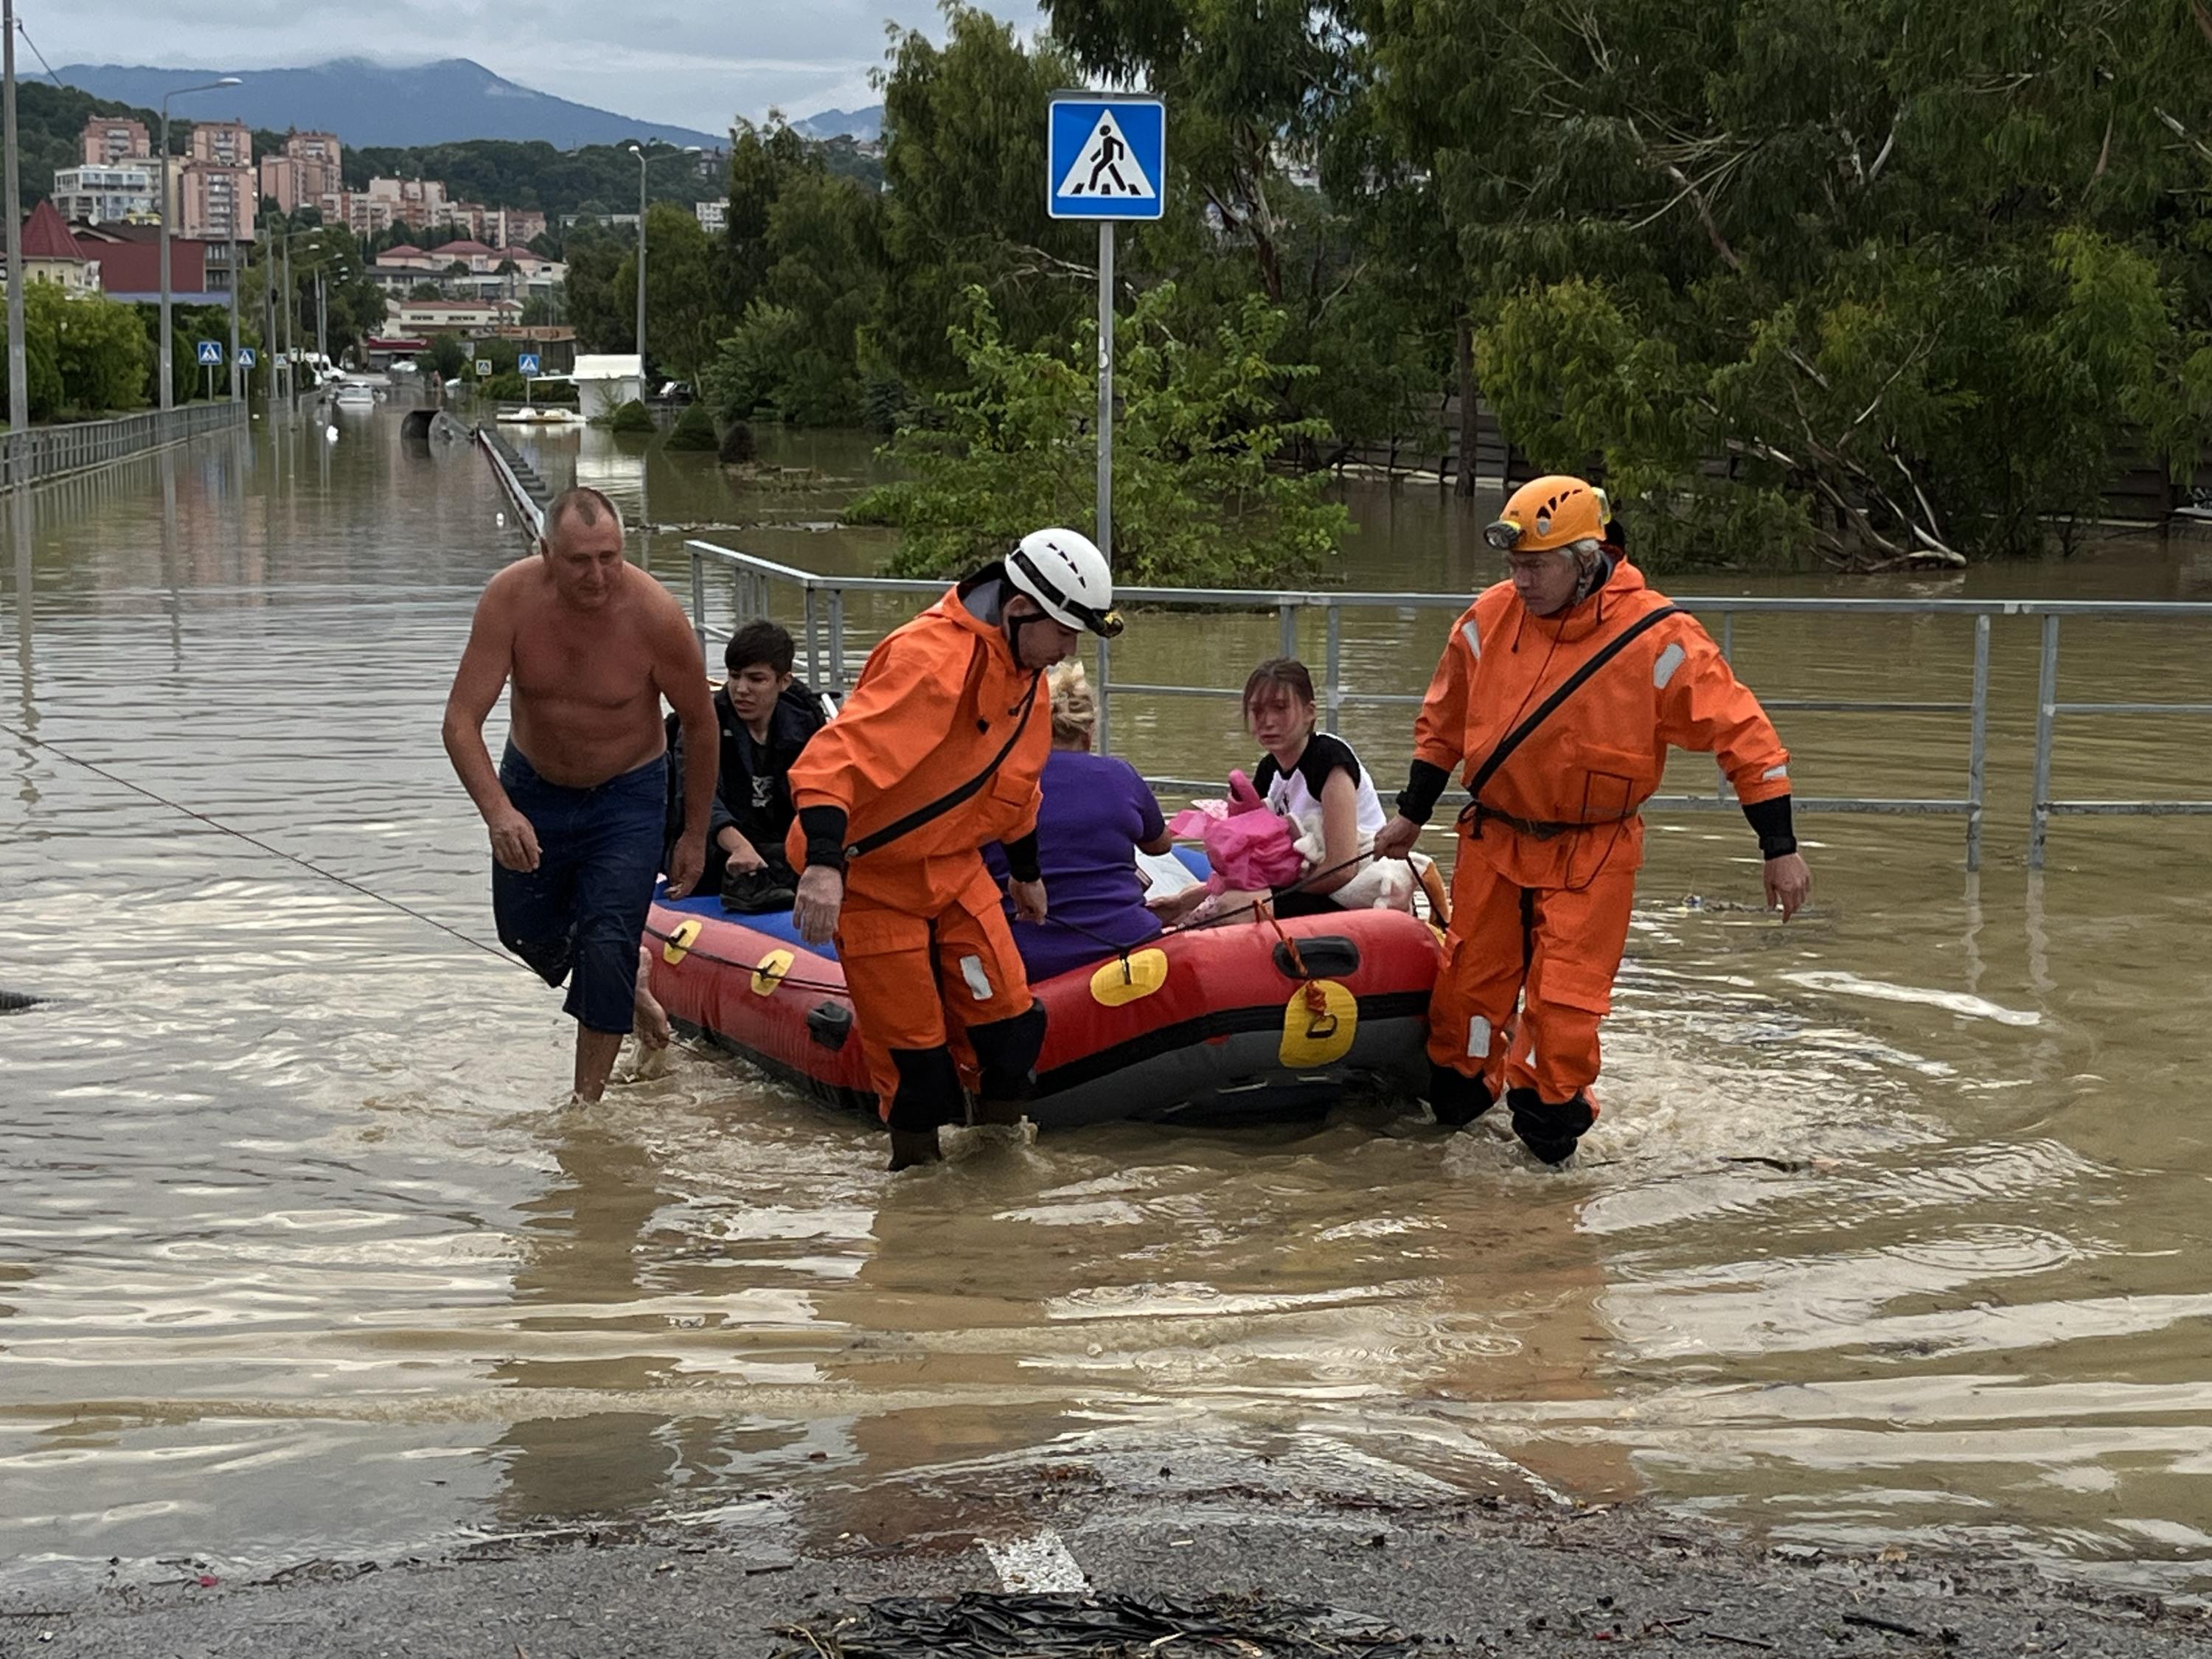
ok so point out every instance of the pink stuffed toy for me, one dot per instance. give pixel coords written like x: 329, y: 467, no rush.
x: 1247, y: 845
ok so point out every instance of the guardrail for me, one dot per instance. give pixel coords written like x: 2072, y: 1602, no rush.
x: 822, y: 604
x: 49, y: 452
x: 522, y: 486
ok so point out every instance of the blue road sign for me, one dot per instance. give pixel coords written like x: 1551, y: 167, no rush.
x: 246, y: 358
x: 527, y: 362
x: 1106, y: 158
x: 212, y: 353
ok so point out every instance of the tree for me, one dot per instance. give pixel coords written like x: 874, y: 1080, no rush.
x: 963, y: 159
x: 797, y: 353
x: 602, y: 312
x: 685, y: 314
x: 1195, y: 500
x: 98, y: 347
x: 1793, y: 284
x: 425, y: 291
x: 445, y: 357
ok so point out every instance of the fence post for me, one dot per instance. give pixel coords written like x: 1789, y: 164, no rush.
x: 1977, y: 743
x: 1333, y: 666
x: 1287, y: 632
x: 813, y: 641
x: 698, y: 597
x: 2046, y: 720
x: 837, y: 641
x: 1104, y: 695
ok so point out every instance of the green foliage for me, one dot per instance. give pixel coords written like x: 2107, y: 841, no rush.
x: 444, y: 357
x: 685, y: 309
x: 738, y: 445
x: 632, y: 417
x: 1791, y: 284
x: 1196, y: 499
x: 532, y: 173
x: 604, y: 316
x: 809, y: 266
x: 49, y: 123
x: 694, y: 430
x: 98, y: 348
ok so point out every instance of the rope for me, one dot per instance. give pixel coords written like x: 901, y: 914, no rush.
x: 253, y: 841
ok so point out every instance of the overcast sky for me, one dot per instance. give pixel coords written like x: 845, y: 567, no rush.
x: 678, y: 61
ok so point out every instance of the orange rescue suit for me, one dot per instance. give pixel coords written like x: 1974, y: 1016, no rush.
x: 921, y: 933
x: 1546, y: 875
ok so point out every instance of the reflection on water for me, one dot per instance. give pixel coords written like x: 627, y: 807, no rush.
x: 1893, y: 1227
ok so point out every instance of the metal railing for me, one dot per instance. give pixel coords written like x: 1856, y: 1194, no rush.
x: 2048, y: 709
x: 519, y: 483
x: 48, y: 451
x: 822, y: 642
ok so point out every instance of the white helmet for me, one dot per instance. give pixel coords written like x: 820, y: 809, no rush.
x: 1067, y: 574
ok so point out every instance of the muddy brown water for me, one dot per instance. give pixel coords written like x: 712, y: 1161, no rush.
x: 1895, y: 1230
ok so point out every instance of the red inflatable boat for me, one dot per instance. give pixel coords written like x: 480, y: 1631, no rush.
x: 1223, y: 1024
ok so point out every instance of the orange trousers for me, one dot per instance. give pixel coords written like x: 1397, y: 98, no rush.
x: 919, y: 983
x: 1554, y: 951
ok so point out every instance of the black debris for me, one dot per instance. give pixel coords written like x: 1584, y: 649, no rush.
x: 1069, y: 1626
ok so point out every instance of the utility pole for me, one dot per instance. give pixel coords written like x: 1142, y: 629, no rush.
x: 230, y: 247
x: 688, y: 150
x: 322, y: 321
x: 19, y: 389
x: 291, y: 363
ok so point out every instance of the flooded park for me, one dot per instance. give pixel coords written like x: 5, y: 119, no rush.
x: 1892, y: 1235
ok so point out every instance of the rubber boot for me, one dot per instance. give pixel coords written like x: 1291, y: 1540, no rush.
x: 1549, y: 1131
x: 1457, y: 1100
x: 911, y: 1148
x: 1005, y: 1113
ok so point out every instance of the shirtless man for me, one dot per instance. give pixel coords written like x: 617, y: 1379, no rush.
x: 576, y: 806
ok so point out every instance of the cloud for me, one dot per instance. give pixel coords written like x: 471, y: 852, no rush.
x: 693, y: 66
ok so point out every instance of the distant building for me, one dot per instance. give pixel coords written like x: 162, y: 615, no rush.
x: 226, y: 144
x: 111, y: 138
x: 412, y: 318
x: 309, y: 169
x: 511, y: 227
x: 50, y: 254
x: 713, y: 217
x: 129, y: 264
x: 216, y: 202
x: 605, y: 381
x: 97, y: 194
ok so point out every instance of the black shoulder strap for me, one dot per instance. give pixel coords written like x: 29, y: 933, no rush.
x: 944, y: 804
x: 1573, y: 682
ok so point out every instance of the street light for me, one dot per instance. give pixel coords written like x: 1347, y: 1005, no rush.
x: 688, y: 150
x: 161, y: 161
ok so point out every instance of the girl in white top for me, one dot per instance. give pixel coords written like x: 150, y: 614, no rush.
x: 1313, y: 779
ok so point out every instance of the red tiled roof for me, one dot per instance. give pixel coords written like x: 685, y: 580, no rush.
x: 404, y: 250
x: 461, y: 249
x: 46, y: 237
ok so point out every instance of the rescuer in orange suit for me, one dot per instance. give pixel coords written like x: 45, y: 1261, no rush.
x: 1551, y: 837
x: 936, y: 754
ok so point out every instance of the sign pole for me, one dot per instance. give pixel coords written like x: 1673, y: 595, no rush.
x: 1106, y: 389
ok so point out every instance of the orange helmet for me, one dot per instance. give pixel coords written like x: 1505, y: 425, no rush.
x: 1548, y: 512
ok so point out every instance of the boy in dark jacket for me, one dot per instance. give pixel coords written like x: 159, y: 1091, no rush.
x: 766, y: 716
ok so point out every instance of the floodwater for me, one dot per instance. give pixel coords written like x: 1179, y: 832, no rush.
x: 1895, y: 1229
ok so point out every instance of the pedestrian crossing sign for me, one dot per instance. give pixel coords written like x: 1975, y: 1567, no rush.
x: 1106, y: 158
x: 212, y: 353
x: 246, y: 358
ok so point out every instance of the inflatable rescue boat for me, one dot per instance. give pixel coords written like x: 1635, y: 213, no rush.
x: 1251, y: 1022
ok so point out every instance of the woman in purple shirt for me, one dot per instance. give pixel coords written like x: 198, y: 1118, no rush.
x: 1097, y: 814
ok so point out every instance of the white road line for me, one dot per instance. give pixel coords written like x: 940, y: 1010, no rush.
x: 1034, y: 1564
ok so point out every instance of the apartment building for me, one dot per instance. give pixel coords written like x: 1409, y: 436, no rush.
x: 215, y: 200
x: 309, y: 169
x: 223, y: 143
x: 108, y: 139
x: 94, y: 195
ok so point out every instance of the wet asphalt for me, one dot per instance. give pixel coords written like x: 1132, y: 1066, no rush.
x: 1511, y: 1574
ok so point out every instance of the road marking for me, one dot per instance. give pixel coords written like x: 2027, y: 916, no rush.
x: 1034, y: 1564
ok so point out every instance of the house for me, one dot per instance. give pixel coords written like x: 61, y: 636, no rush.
x: 122, y: 190
x: 416, y: 317
x: 50, y: 254
x: 129, y: 264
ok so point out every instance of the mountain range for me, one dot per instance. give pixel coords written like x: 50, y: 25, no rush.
x: 369, y: 104
x: 865, y: 125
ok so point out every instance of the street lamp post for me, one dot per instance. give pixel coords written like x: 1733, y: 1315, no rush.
x: 19, y: 391
x: 161, y: 161
x: 688, y: 150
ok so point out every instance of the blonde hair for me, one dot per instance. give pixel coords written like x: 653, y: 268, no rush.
x: 1073, y: 713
